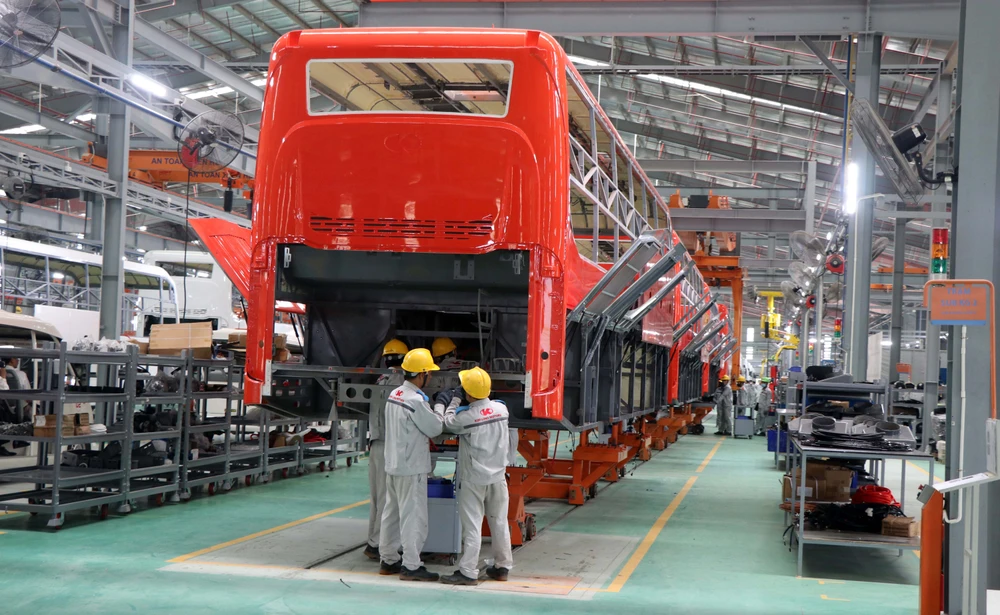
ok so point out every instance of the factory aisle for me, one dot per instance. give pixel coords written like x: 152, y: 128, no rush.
x: 695, y: 530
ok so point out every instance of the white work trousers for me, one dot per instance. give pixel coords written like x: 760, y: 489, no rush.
x: 404, y: 520
x: 473, y: 502
x: 724, y: 418
x: 376, y: 487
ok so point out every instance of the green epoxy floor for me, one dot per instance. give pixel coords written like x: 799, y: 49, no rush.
x: 721, y: 552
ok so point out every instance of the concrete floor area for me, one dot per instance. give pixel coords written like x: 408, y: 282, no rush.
x: 695, y: 530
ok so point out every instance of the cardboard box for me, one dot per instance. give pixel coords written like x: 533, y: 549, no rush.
x: 838, y: 485
x: 281, y: 355
x: 280, y: 341
x: 81, y: 430
x: 812, y: 488
x: 172, y: 340
x: 49, y: 420
x: 50, y: 432
x: 238, y: 340
x: 905, y: 527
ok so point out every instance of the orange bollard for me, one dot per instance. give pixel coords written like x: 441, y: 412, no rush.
x: 931, y: 553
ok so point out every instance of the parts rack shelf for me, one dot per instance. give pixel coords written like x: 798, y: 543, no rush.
x: 68, y: 388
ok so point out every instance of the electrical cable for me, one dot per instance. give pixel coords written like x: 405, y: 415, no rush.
x: 874, y: 494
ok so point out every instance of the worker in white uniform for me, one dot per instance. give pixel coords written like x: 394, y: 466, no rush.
x: 443, y: 350
x: 392, y: 357
x: 723, y: 407
x: 763, y: 405
x: 409, y: 423
x: 483, y: 455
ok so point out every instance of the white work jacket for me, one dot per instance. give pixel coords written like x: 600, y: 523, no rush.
x: 483, y: 440
x: 725, y: 401
x: 409, y: 422
x: 376, y: 414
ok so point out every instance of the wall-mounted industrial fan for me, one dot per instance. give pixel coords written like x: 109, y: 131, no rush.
x: 833, y: 292
x: 896, y: 153
x: 27, y: 29
x: 803, y: 275
x: 14, y: 188
x: 835, y: 264
x: 210, y: 141
x: 879, y: 245
x: 807, y: 246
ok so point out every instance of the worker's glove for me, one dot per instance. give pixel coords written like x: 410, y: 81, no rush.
x: 444, y: 397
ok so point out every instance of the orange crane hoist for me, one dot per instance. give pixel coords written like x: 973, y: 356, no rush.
x: 162, y: 166
x: 702, y: 240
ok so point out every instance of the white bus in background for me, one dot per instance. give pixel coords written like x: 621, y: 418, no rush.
x: 211, y: 296
x: 52, y: 282
x: 208, y: 289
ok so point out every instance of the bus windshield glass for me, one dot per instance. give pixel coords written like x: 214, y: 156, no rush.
x: 478, y: 87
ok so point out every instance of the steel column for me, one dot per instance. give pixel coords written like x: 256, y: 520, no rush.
x: 859, y: 243
x: 976, y: 234
x: 809, y: 196
x: 932, y: 344
x: 896, y: 332
x: 112, y: 274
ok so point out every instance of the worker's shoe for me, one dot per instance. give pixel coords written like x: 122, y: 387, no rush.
x: 371, y: 552
x: 497, y: 574
x: 722, y: 433
x: 420, y: 574
x: 387, y: 569
x: 458, y: 579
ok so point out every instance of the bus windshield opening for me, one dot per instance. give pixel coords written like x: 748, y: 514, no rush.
x: 478, y: 87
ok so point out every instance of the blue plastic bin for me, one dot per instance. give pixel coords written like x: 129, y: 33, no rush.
x: 440, y: 488
x: 772, y: 441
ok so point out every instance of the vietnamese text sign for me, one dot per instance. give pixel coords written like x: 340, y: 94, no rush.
x: 959, y: 304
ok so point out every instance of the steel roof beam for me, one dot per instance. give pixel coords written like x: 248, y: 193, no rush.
x: 930, y: 97
x: 32, y: 116
x: 50, y: 169
x: 934, y: 19
x: 88, y: 63
x: 743, y: 219
x: 735, y: 193
x: 782, y: 70
x: 828, y: 63
x: 196, y: 60
x: 723, y: 166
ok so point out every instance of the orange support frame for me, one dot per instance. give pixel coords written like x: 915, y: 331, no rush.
x: 726, y: 271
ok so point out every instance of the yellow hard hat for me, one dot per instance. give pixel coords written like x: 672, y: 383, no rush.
x: 442, y: 346
x: 741, y: 380
x: 724, y: 378
x: 419, y: 361
x: 394, y: 346
x: 476, y: 382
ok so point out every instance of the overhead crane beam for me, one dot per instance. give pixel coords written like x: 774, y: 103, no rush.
x: 933, y: 19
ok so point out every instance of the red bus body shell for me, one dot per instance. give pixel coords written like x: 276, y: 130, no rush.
x: 366, y: 181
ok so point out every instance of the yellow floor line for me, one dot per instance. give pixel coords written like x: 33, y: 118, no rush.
x: 647, y: 542
x: 919, y: 469
x: 825, y: 597
x: 186, y: 557
x: 710, y: 455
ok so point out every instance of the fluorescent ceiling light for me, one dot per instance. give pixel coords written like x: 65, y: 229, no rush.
x: 212, y: 92
x: 887, y: 342
x: 731, y: 94
x: 142, y: 228
x: 812, y: 340
x: 851, y: 189
x: 259, y: 82
x: 586, y: 61
x: 57, y: 276
x: 86, y: 117
x: 145, y: 83
x: 22, y: 130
